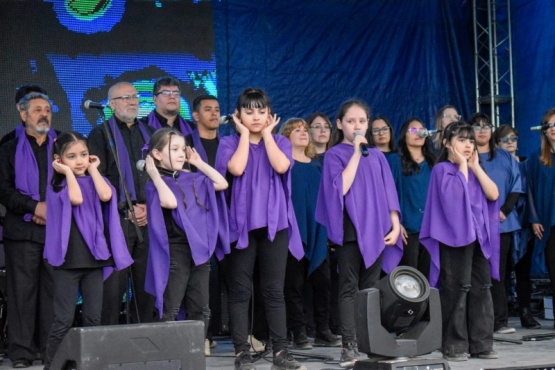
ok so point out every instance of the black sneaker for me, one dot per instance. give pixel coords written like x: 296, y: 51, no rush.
x: 327, y: 339
x: 243, y: 361
x: 349, y: 355
x: 486, y: 355
x: 300, y: 341
x: 283, y: 360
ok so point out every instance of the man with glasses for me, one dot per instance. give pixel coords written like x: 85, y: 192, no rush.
x: 167, y: 101
x: 127, y: 136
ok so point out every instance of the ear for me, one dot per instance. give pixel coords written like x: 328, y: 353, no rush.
x: 57, y: 157
x: 23, y: 115
x: 156, y: 154
x: 195, y: 116
x: 338, y: 124
x: 112, y: 104
x: 446, y: 143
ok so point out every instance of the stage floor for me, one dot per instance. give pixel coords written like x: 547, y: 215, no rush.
x: 522, y: 356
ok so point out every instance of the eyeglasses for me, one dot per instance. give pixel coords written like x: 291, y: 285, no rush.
x: 168, y: 93
x: 507, y: 139
x: 380, y: 131
x: 482, y: 128
x: 127, y: 98
x: 321, y: 127
x: 456, y: 117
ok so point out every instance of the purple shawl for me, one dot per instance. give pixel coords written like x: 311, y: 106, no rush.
x: 258, y: 175
x: 27, y: 170
x: 456, y: 214
x: 207, y: 230
x: 183, y: 125
x: 89, y: 217
x: 368, y: 203
x: 123, y: 154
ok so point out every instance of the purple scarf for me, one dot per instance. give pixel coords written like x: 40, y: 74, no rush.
x: 89, y: 217
x: 27, y: 170
x: 123, y: 158
x: 183, y: 126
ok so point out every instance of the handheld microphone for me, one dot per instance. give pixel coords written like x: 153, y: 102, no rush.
x: 226, y: 118
x: 363, y: 147
x: 422, y: 132
x: 89, y: 104
x: 141, y: 166
x: 542, y: 127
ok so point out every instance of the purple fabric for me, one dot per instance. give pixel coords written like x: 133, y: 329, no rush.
x: 123, y: 155
x: 27, y: 173
x: 206, y: 230
x: 89, y: 217
x: 368, y: 202
x: 260, y: 197
x: 183, y: 125
x: 198, y: 145
x: 456, y: 214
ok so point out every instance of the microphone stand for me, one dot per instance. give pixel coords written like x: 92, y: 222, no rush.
x: 115, y: 154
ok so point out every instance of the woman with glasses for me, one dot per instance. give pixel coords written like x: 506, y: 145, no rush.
x: 411, y: 168
x: 320, y: 132
x: 541, y: 180
x: 506, y: 138
x: 382, y: 136
x: 502, y: 168
x: 444, y: 116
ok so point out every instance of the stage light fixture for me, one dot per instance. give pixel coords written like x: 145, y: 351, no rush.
x: 398, y: 319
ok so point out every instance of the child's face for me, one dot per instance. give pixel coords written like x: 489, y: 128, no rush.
x: 465, y: 146
x: 355, y: 119
x: 254, y: 119
x: 172, y: 157
x: 299, y: 137
x: 76, y: 157
x: 509, y: 143
x: 381, y: 133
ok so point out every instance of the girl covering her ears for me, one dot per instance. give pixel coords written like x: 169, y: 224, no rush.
x: 460, y: 229
x: 185, y: 227
x: 358, y: 204
x: 262, y: 220
x: 80, y: 202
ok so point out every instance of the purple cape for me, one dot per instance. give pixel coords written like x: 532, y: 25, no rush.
x: 260, y: 176
x: 183, y: 126
x: 89, y: 217
x: 456, y: 214
x: 207, y: 230
x: 27, y: 173
x: 369, y: 202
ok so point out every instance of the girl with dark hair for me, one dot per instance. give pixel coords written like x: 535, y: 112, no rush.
x: 411, y: 168
x: 185, y: 226
x: 503, y: 170
x: 382, y: 135
x: 80, y: 201
x: 358, y: 204
x: 444, y: 116
x: 262, y: 222
x: 460, y: 229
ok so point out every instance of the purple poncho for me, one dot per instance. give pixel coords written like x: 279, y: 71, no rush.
x: 260, y: 197
x: 456, y: 214
x: 369, y: 202
x: 89, y: 217
x: 206, y: 229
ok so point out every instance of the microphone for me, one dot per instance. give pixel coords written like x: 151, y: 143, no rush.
x: 89, y: 104
x: 542, y: 127
x: 226, y: 118
x: 141, y: 166
x: 422, y: 132
x: 363, y: 147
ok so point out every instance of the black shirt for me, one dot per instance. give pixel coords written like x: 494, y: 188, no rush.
x: 211, y: 148
x: 78, y: 254
x: 164, y: 121
x: 134, y: 142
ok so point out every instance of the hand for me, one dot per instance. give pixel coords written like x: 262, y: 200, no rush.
x: 151, y: 168
x: 391, y: 237
x: 272, y: 123
x: 193, y: 157
x: 502, y: 216
x: 94, y: 162
x: 359, y: 139
x: 140, y: 214
x: 241, y: 129
x: 39, y: 220
x: 474, y: 160
x: 538, y: 230
x: 404, y: 235
x: 59, y: 167
x: 40, y: 210
x: 455, y: 156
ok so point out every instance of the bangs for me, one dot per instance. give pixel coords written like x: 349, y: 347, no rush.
x: 459, y: 129
x: 253, y: 99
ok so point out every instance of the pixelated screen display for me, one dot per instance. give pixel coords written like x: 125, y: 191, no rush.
x: 77, y: 49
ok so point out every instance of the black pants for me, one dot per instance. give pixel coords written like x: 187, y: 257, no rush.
x: 29, y: 291
x: 296, y: 282
x: 187, y: 283
x: 272, y: 258
x: 550, y: 256
x: 522, y: 271
x: 466, y: 304
x: 142, y: 306
x: 66, y: 288
x: 416, y: 255
x: 498, y: 288
x: 353, y: 276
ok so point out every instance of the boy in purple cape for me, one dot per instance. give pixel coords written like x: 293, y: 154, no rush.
x: 75, y: 235
x: 460, y: 229
x: 185, y: 227
x: 262, y: 221
x: 358, y: 204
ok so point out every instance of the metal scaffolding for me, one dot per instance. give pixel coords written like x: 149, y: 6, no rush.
x: 494, y: 60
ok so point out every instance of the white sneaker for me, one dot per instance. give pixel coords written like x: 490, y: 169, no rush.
x: 505, y: 330
x: 207, y: 348
x: 256, y: 345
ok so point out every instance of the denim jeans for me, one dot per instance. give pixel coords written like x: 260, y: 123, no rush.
x: 498, y: 288
x: 466, y: 304
x: 416, y: 255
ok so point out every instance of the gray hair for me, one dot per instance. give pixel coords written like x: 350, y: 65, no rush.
x: 26, y: 100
